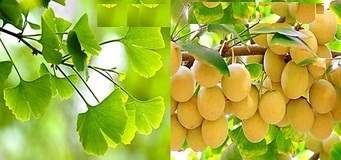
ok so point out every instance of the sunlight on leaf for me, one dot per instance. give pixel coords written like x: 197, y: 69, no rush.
x: 144, y: 37
x: 284, y: 145
x: 107, y: 119
x: 148, y: 114
x: 255, y: 70
x: 231, y: 153
x: 109, y: 5
x: 335, y: 152
x: 249, y: 149
x: 130, y: 130
x: 10, y: 12
x: 74, y: 49
x: 5, y: 70
x: 35, y: 95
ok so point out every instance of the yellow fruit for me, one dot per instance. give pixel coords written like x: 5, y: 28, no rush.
x: 174, y: 105
x: 215, y: 132
x: 305, y: 12
x: 238, y: 85
x: 254, y: 59
x: 248, y: 106
x: 324, y: 27
x: 292, y: 9
x: 211, y: 102
x: 261, y: 39
x: 266, y: 83
x: 294, y: 80
x: 322, y: 96
x: 195, y: 140
x: 300, y: 115
x: 176, y: 58
x: 277, y: 86
x: 324, y: 156
x: 314, y: 144
x: 323, y: 51
x: 323, y: 125
x: 255, y: 128
x: 228, y: 107
x: 284, y: 121
x: 299, y: 54
x: 280, y: 8
x: 336, y: 112
x: 178, y: 133
x: 311, y: 80
x: 278, y: 49
x: 272, y: 107
x: 211, y: 4
x: 284, y: 157
x: 206, y: 75
x: 318, y: 67
x: 182, y: 85
x: 329, y: 142
x: 188, y: 114
x: 273, y: 65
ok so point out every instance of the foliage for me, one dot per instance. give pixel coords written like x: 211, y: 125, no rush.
x: 114, y: 120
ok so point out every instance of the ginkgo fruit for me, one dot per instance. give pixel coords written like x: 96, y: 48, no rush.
x: 273, y: 65
x: 322, y: 96
x: 174, y: 105
x: 323, y: 51
x: 211, y: 4
x: 228, y: 107
x: 294, y: 80
x: 272, y: 107
x: 188, y: 114
x: 260, y: 39
x: 323, y: 125
x: 329, y: 142
x: 182, y: 85
x: 178, y: 133
x: 205, y: 75
x: 336, y: 112
x: 305, y: 12
x: 284, y: 121
x: 195, y: 140
x: 238, y: 85
x: 300, y: 115
x: 255, y: 128
x: 298, y: 54
x: 321, y: 23
x: 280, y: 8
x: 277, y: 48
x: 211, y: 102
x: 292, y: 9
x: 215, y: 132
x: 313, y: 144
x: 248, y: 106
x: 175, y: 59
x: 278, y: 87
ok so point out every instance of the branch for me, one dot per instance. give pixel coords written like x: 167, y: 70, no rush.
x: 239, y: 51
x: 19, y: 36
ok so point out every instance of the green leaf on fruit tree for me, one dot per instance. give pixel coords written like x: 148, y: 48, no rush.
x: 5, y: 70
x: 86, y: 37
x: 283, y: 31
x: 290, y: 132
x: 79, y: 57
x: 307, y: 61
x: 335, y: 44
x: 205, y: 15
x: 61, y: 2
x: 335, y: 6
x: 148, y: 114
x: 62, y: 25
x: 34, y: 26
x: 10, y: 12
x: 224, y: 29
x: 103, y: 124
x: 139, y: 41
x: 255, y: 70
x: 250, y: 149
x: 207, y: 56
x: 272, y: 134
x: 271, y: 153
x: 29, y: 95
x: 228, y: 17
x: 337, y: 127
x: 284, y: 145
x: 144, y: 37
x: 335, y: 152
x: 60, y: 85
x: 231, y: 153
x: 130, y: 130
x: 289, y: 41
x: 48, y: 39
x: 241, y: 10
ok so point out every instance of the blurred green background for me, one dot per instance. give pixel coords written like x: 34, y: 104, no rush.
x: 54, y: 135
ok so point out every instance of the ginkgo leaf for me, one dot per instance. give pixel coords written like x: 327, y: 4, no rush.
x: 144, y: 37
x: 35, y: 95
x: 144, y: 61
x: 105, y: 121
x: 86, y: 37
x: 130, y: 130
x: 62, y: 85
x: 10, y: 12
x: 5, y: 70
x: 75, y: 50
x: 148, y: 114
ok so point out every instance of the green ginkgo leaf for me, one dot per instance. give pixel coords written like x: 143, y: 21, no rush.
x: 34, y: 95
x: 103, y: 125
x: 148, y: 114
x: 79, y: 57
x: 5, y: 70
x: 130, y: 130
x: 145, y: 37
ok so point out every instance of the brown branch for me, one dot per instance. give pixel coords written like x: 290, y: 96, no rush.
x: 239, y: 51
x: 315, y: 156
x: 19, y: 36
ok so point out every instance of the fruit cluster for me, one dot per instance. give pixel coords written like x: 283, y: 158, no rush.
x: 304, y: 97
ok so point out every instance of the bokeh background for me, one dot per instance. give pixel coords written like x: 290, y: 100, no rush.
x: 54, y: 136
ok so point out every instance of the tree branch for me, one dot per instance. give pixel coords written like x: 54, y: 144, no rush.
x: 238, y: 51
x: 19, y: 36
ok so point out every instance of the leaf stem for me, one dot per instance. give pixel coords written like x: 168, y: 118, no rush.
x: 189, y: 33
x: 182, y: 28
x: 178, y: 21
x: 15, y: 67
x: 110, y: 41
x: 87, y: 86
x: 73, y: 85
